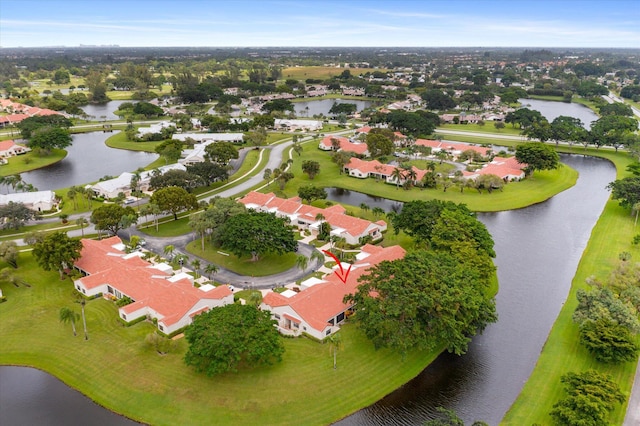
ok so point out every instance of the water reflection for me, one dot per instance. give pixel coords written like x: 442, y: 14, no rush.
x: 538, y: 249
x: 322, y: 106
x: 88, y: 160
x: 550, y: 110
x: 33, y: 397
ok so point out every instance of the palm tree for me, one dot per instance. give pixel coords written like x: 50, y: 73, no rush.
x: 80, y: 299
x: 211, y: 269
x: 411, y: 175
x: 168, y: 250
x: 377, y: 211
x: 335, y: 342
x: 364, y: 207
x: 397, y: 175
x: 126, y: 221
x: 81, y: 222
x: 302, y: 262
x: 71, y: 194
x: 196, y: 266
x: 69, y: 316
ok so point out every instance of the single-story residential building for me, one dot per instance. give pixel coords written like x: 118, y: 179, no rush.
x: 308, y: 217
x: 210, y: 137
x: 319, y: 310
x: 40, y: 201
x: 155, y: 128
x: 292, y: 125
x: 112, y: 187
x: 365, y: 169
x: 9, y: 148
x: 172, y: 300
x: 454, y: 148
x: 507, y: 169
x: 346, y: 145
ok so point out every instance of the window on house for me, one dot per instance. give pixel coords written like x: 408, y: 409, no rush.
x: 296, y: 325
x: 161, y: 328
x: 328, y: 332
x: 109, y: 289
x: 124, y: 317
x: 304, y: 328
x: 340, y: 318
x: 277, y: 316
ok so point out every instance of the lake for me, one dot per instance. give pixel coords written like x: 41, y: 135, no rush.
x: 104, y: 111
x: 322, y: 106
x: 550, y: 110
x: 88, y: 160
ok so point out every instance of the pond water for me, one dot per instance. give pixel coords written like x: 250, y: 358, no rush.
x: 550, y: 110
x: 33, y: 397
x: 88, y: 160
x: 322, y: 106
x: 104, y: 111
x: 538, y: 249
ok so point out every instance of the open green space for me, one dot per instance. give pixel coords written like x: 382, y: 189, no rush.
x: 117, y: 370
x: 487, y: 128
x: 542, y: 186
x: 318, y: 72
x: 562, y: 351
x: 31, y: 161
x: 120, y: 141
x: 168, y: 228
x: 268, y: 264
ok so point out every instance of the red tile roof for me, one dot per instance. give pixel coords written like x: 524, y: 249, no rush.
x: 345, y: 144
x: 135, y: 278
x: 5, y: 145
x: 318, y: 304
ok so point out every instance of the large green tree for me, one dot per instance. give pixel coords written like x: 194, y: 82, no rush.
x: 608, y: 341
x: 221, y: 152
x: 108, y: 217
x: 29, y: 125
x: 590, y: 397
x: 309, y: 193
x: 14, y: 215
x: 48, y: 138
x: 254, y: 233
x: 426, y: 299
x: 379, y: 145
x: 311, y: 168
x: 626, y: 191
x: 173, y: 200
x: 537, y: 156
x: 57, y: 252
x: 225, y: 338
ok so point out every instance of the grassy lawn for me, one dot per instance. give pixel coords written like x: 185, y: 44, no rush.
x: 318, y: 72
x: 31, y: 161
x: 487, y: 128
x: 277, y: 137
x: 562, y: 352
x: 268, y: 264
x: 120, y: 141
x: 540, y: 187
x: 126, y: 376
x: 170, y: 228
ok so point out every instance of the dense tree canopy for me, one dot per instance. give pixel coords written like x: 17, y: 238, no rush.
x: 108, y: 217
x: 590, y: 397
x: 221, y: 152
x: 426, y: 299
x: 48, y: 138
x: 254, y: 233
x: 537, y: 156
x: 608, y: 341
x: 208, y: 172
x: 225, y: 338
x: 626, y: 191
x: 179, y: 178
x: 173, y: 199
x: 57, y: 252
x: 281, y: 105
x: 14, y: 215
x: 148, y: 110
x: 311, y: 168
x: 309, y: 193
x: 31, y: 124
x: 379, y: 145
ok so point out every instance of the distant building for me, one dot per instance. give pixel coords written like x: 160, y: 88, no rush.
x: 39, y: 201
x: 210, y: 137
x: 122, y: 184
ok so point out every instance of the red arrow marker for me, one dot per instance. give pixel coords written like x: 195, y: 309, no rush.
x: 342, y: 275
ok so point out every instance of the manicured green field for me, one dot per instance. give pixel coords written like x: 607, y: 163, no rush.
x: 120, y: 141
x: 31, y: 161
x: 318, y: 72
x: 168, y: 228
x: 117, y: 370
x: 268, y: 264
x: 562, y: 352
x: 487, y: 128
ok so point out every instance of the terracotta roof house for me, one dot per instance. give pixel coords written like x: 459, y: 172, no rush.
x: 9, y: 148
x: 345, y: 145
x: 453, y: 148
x: 507, y: 169
x: 170, y: 299
x: 319, y: 310
x: 365, y: 169
x: 304, y: 216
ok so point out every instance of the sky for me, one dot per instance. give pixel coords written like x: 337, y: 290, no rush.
x: 366, y: 23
